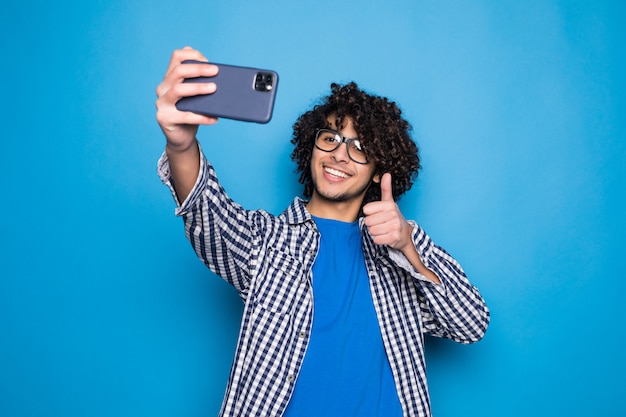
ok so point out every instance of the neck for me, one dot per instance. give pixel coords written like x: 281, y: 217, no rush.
x: 345, y: 211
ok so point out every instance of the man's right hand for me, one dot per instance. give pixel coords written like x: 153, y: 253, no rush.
x: 180, y: 127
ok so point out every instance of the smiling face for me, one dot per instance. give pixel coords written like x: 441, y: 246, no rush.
x: 339, y: 183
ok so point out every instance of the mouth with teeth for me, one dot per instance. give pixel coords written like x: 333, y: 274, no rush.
x: 336, y: 173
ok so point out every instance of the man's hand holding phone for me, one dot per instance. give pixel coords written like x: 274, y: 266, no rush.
x: 180, y: 127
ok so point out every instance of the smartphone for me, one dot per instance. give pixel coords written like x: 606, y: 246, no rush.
x: 243, y: 93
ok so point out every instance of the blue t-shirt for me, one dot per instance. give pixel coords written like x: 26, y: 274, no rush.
x: 345, y: 370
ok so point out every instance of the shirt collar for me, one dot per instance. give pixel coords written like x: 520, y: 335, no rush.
x: 297, y: 213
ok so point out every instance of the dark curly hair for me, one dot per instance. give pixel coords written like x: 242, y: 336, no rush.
x: 378, y: 122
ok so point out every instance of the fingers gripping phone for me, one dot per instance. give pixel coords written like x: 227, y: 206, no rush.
x: 243, y: 93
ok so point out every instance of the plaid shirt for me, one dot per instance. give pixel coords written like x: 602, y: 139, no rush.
x: 269, y: 259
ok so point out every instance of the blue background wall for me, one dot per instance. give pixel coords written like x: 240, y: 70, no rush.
x: 519, y: 111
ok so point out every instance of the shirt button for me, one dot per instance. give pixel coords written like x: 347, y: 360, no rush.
x: 291, y: 378
x: 302, y: 335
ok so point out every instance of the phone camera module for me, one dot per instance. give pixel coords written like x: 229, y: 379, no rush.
x: 263, y: 82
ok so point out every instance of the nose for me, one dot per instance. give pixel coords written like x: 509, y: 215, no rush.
x: 341, y: 153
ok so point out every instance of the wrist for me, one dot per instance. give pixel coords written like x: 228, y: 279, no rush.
x: 407, y: 237
x: 173, y: 148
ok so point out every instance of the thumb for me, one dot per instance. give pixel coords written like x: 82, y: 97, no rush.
x: 386, y: 193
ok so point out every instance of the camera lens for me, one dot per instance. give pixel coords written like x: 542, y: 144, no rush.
x: 263, y: 81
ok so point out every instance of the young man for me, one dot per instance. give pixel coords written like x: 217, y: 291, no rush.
x: 339, y: 289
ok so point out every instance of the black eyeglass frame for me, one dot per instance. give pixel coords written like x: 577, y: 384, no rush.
x: 344, y: 139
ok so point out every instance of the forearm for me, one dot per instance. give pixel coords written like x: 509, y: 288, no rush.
x: 410, y: 253
x: 453, y: 308
x: 213, y: 223
x: 458, y: 310
x: 184, y: 168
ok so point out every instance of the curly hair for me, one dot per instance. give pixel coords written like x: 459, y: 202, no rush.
x: 383, y: 132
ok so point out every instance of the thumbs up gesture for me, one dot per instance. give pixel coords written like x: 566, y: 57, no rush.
x: 384, y: 220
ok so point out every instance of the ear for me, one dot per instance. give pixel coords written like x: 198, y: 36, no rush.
x: 376, y: 178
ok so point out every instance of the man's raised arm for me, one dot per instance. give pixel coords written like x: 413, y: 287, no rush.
x: 180, y: 127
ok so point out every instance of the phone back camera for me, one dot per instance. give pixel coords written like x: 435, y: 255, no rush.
x: 263, y: 82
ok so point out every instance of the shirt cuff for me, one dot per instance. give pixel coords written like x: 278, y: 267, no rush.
x: 164, y: 172
x: 424, y: 247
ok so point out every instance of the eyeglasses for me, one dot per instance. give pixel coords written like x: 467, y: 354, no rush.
x: 328, y: 140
